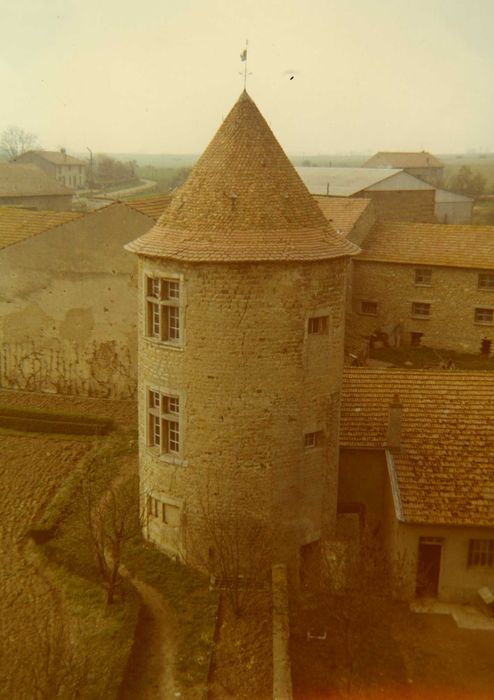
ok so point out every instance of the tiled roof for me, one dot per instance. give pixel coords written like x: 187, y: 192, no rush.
x: 28, y: 181
x: 150, y: 206
x: 58, y: 158
x: 396, y: 159
x: 18, y: 224
x: 449, y: 245
x: 445, y: 470
x: 342, y: 212
x: 243, y: 201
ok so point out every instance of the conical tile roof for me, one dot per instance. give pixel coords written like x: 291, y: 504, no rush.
x: 243, y: 201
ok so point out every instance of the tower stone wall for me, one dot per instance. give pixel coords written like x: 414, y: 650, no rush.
x: 252, y: 382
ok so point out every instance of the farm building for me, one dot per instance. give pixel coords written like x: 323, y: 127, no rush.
x: 453, y: 208
x: 396, y: 195
x: 417, y: 462
x: 420, y: 164
x: 29, y: 186
x: 67, y: 301
x: 66, y: 169
x: 429, y: 284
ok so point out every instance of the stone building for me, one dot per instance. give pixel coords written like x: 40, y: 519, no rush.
x: 70, y: 171
x: 68, y: 301
x: 241, y: 328
x: 396, y: 195
x: 29, y: 186
x: 426, y: 283
x: 420, y: 164
x: 417, y: 464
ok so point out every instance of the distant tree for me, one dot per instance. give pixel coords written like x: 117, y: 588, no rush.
x: 110, y: 169
x: 466, y: 182
x: 14, y: 141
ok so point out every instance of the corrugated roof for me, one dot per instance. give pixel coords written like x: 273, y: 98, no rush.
x: 449, y: 245
x: 58, y: 157
x: 403, y: 159
x: 18, y: 224
x: 150, y: 206
x: 342, y: 182
x: 445, y: 470
x: 243, y: 201
x: 28, y: 181
x: 342, y: 212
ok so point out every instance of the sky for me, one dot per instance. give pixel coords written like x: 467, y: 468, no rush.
x: 158, y: 76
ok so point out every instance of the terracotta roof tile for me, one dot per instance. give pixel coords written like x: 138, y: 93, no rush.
x: 445, y: 470
x: 150, y: 206
x: 342, y: 212
x: 243, y: 201
x: 450, y: 245
x: 396, y: 159
x: 18, y: 224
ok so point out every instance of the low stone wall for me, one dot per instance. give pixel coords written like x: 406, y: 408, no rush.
x: 282, y: 677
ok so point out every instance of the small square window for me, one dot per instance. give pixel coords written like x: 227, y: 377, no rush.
x: 486, y: 280
x: 484, y: 315
x: 481, y: 553
x: 170, y: 514
x: 420, y: 308
x: 314, y: 439
x: 369, y: 308
x: 423, y: 277
x: 317, y: 325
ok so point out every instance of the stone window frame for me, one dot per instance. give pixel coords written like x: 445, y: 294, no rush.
x: 423, y: 272
x: 483, y: 315
x: 156, y: 509
x: 417, y: 314
x: 318, y: 325
x: 365, y: 311
x: 481, y: 553
x: 313, y: 439
x: 164, y: 308
x: 488, y: 278
x: 159, y: 418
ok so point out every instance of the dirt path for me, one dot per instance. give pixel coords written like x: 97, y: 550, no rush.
x: 149, y: 674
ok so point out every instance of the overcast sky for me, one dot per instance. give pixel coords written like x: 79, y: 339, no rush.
x: 158, y: 76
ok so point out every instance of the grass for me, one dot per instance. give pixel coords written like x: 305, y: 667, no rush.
x: 103, y: 634
x: 430, y: 358
x: 188, y: 594
x: 167, y: 179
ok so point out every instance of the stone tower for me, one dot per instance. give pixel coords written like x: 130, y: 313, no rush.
x: 241, y: 326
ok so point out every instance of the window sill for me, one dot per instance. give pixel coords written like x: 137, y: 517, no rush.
x: 420, y: 318
x: 483, y: 323
x: 168, y: 458
x: 422, y: 284
x: 164, y: 343
x: 485, y: 289
x: 363, y: 313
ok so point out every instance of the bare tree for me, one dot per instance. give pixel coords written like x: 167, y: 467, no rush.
x: 110, y: 521
x: 14, y: 141
x: 238, y: 557
x: 367, y: 607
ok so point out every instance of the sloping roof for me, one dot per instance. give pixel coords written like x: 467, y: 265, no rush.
x: 403, y: 159
x: 342, y: 182
x: 243, y: 201
x: 445, y: 470
x: 342, y: 212
x: 28, y: 181
x: 449, y: 245
x: 447, y: 196
x: 58, y: 158
x: 150, y: 206
x: 18, y: 224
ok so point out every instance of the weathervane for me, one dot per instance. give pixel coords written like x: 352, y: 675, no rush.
x: 243, y: 58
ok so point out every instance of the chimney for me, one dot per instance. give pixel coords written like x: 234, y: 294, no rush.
x: 393, y: 435
x: 64, y: 153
